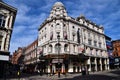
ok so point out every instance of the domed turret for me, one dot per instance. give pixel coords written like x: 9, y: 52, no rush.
x: 58, y: 4
x: 58, y: 10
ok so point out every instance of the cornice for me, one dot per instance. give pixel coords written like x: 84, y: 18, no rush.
x: 70, y: 19
x: 11, y: 8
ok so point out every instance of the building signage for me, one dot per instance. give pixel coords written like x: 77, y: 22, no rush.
x: 57, y: 60
x: 4, y: 58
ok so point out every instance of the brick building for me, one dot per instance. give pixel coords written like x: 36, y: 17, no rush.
x: 116, y: 48
x: 30, y: 56
x: 16, y: 55
x: 116, y: 52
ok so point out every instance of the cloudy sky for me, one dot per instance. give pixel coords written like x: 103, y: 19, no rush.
x: 31, y: 13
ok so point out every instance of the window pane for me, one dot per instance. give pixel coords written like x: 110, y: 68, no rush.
x: 0, y: 21
x: 3, y: 24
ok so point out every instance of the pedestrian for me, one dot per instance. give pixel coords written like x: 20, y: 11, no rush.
x: 18, y: 74
x: 83, y: 71
x: 52, y: 71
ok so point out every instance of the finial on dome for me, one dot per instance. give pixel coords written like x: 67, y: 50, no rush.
x: 58, y: 4
x: 82, y: 16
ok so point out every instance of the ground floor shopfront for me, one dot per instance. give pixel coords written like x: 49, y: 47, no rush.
x: 4, y: 63
x: 72, y: 64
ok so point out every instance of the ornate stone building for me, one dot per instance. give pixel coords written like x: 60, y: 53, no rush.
x: 69, y: 44
x: 7, y: 18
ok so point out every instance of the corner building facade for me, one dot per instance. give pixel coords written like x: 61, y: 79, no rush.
x: 81, y: 43
x: 7, y: 18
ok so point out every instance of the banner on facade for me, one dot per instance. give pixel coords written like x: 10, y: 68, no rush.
x: 39, y: 50
x: 80, y: 49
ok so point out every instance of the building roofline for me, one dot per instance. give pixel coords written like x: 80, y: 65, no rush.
x: 67, y: 19
x: 116, y: 40
x: 108, y: 37
x: 11, y: 8
x: 36, y: 40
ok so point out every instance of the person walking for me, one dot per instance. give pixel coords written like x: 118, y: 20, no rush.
x: 18, y: 74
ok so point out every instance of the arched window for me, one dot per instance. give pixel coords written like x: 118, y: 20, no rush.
x: 57, y: 48
x: 50, y: 48
x: 65, y: 47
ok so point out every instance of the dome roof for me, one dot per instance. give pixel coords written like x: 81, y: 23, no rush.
x: 58, y: 4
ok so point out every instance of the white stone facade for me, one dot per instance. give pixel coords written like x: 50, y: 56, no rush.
x: 77, y: 36
x: 7, y: 17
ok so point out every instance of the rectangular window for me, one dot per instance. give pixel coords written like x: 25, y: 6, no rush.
x: 2, y: 20
x: 89, y: 42
x: 89, y: 34
x: 73, y: 37
x: 100, y: 45
x: 95, y: 43
x: 73, y: 48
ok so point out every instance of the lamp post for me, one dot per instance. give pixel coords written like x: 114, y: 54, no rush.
x: 58, y: 37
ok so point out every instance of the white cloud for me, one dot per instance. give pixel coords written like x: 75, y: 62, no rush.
x: 104, y: 12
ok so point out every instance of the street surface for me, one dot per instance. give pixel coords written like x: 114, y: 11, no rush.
x: 105, y: 75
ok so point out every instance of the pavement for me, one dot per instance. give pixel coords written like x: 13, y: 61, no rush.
x: 101, y: 75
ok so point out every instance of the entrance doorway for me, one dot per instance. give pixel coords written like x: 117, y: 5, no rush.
x: 58, y: 67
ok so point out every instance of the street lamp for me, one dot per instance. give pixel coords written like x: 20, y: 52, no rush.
x: 58, y: 37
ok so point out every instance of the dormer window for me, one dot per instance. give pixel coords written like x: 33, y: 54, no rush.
x: 2, y: 21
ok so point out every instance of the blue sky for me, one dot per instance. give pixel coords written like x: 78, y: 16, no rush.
x: 31, y: 13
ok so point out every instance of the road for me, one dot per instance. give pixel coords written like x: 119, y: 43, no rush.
x: 105, y: 75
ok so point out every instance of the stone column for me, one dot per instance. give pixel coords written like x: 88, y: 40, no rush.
x: 54, y: 68
x: 100, y: 64
x: 7, y: 41
x: 89, y: 61
x: 108, y: 67
x: 62, y: 48
x: 70, y: 69
x: 11, y: 21
x: 53, y: 48
x: 48, y: 70
x: 3, y: 42
x: 63, y: 68
x: 96, y: 64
